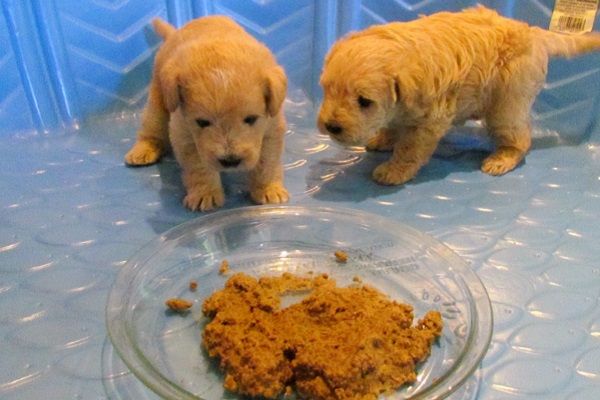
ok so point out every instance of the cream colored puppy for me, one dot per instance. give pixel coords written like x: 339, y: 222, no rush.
x: 216, y: 97
x: 401, y: 86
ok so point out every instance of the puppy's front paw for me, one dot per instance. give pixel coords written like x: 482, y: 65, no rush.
x: 273, y: 193
x: 502, y: 161
x: 143, y: 153
x: 393, y: 174
x: 495, y: 167
x: 204, y: 200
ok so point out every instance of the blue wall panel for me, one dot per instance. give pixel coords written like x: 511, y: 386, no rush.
x: 109, y: 47
x: 68, y: 60
x: 381, y: 11
x: 286, y: 27
x: 14, y: 109
x: 29, y: 99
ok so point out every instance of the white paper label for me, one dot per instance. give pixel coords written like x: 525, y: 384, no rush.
x: 574, y: 16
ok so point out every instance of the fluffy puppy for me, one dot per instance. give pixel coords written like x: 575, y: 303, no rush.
x: 216, y: 98
x: 403, y: 85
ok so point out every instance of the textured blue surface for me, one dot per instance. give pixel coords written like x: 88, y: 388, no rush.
x: 74, y: 76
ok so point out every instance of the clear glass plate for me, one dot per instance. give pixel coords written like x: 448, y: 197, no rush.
x: 163, y: 349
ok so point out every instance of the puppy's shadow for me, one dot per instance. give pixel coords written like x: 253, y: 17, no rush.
x: 171, y: 192
x: 347, y: 182
x: 351, y: 180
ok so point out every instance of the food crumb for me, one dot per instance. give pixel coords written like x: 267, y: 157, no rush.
x: 178, y: 305
x: 224, y: 267
x: 341, y: 256
x: 356, y: 279
x: 193, y: 286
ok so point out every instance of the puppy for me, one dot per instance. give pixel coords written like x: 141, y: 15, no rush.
x: 216, y: 98
x: 401, y: 86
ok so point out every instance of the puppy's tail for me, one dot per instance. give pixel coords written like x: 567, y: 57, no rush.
x: 563, y: 45
x: 163, y: 28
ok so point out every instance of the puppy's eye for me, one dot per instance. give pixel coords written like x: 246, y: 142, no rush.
x: 203, y: 123
x: 363, y: 102
x: 250, y: 119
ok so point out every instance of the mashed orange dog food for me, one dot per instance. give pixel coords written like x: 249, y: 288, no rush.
x: 336, y: 343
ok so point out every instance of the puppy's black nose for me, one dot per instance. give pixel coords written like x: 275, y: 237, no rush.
x: 334, y: 129
x: 230, y: 161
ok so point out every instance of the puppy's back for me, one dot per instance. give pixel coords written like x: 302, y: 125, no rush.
x: 451, y: 44
x: 512, y: 37
x: 479, y: 27
x: 442, y: 49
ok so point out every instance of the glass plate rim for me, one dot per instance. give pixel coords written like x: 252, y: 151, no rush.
x: 118, y: 333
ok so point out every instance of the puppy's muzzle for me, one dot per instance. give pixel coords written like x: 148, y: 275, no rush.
x: 230, y: 161
x: 333, y: 128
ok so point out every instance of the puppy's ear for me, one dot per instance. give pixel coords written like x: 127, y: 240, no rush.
x: 403, y: 90
x: 395, y: 90
x: 275, y: 90
x: 171, y: 90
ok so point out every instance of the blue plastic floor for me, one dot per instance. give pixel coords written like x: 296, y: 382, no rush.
x: 72, y: 214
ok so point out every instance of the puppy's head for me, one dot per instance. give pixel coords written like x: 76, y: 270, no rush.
x: 228, y: 102
x: 360, y: 93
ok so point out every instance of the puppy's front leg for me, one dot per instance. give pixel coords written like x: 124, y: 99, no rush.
x: 201, y: 180
x: 383, y: 140
x: 204, y: 189
x: 413, y: 148
x: 266, y: 179
x: 152, y: 139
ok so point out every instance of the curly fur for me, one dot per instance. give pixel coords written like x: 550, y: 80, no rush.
x: 216, y: 98
x: 401, y: 86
